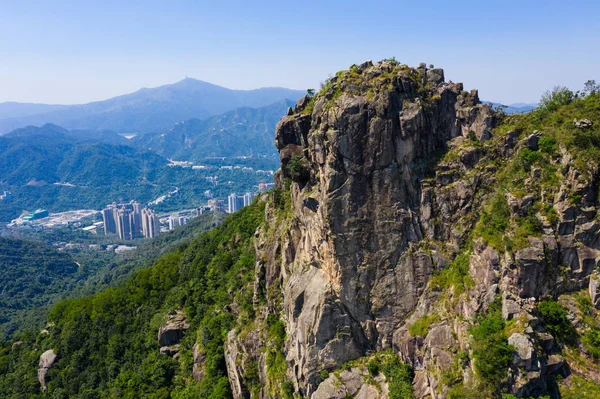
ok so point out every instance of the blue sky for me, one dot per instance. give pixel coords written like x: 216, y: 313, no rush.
x: 81, y: 51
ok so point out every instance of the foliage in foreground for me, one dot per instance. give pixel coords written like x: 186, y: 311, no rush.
x: 107, y: 343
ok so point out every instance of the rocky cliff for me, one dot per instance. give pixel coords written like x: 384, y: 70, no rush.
x: 410, y: 221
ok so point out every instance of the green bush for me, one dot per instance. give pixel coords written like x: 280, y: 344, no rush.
x: 399, y: 377
x: 494, y: 222
x: 554, y: 319
x: 552, y: 100
x: 490, y: 349
x: 421, y: 326
x: 455, y: 274
x: 373, y: 366
x: 324, y: 374
x: 548, y: 144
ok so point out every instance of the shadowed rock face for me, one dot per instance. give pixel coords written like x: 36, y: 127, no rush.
x: 171, y: 333
x: 353, y: 278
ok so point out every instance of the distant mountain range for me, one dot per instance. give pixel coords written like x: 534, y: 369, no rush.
x: 516, y: 108
x: 57, y: 168
x: 243, y: 131
x: 51, y: 130
x: 146, y: 110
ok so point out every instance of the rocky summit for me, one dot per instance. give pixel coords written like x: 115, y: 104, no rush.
x: 418, y: 244
x: 415, y: 217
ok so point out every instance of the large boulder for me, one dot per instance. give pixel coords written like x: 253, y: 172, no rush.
x: 355, y: 383
x: 47, y: 360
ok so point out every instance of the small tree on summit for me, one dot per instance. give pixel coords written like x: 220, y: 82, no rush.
x: 310, y: 92
x: 552, y: 100
x: 591, y: 87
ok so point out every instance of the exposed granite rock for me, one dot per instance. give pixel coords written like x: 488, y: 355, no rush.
x: 198, y: 368
x: 583, y: 123
x: 172, y: 350
x: 352, y: 383
x: 524, y: 353
x: 370, y: 222
x: 171, y: 333
x: 353, y: 264
x: 595, y: 291
x: 47, y: 360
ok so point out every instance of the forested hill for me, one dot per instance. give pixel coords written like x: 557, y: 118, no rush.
x: 241, y: 132
x: 34, y: 276
x: 57, y: 172
x: 31, y: 274
x: 49, y: 155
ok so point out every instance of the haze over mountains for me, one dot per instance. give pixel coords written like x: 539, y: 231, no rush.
x: 240, y: 132
x: 146, y: 110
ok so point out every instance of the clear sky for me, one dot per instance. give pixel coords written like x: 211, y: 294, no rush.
x: 81, y: 51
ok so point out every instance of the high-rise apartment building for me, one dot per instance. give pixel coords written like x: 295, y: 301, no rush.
x: 234, y: 203
x: 125, y: 220
x: 150, y: 223
x: 248, y: 197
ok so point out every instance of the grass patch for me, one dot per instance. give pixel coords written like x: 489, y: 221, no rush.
x: 456, y: 274
x: 576, y: 387
x: 421, y: 326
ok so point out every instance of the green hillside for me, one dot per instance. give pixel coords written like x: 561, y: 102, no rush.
x: 31, y: 276
x: 108, y: 340
x: 48, y: 168
x: 34, y: 276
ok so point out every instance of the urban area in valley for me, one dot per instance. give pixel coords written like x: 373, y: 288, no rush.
x: 123, y: 221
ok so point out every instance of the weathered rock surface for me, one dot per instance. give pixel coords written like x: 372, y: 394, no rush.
x: 375, y: 212
x: 47, y: 360
x: 198, y: 368
x: 353, y: 276
x: 171, y: 333
x: 352, y: 383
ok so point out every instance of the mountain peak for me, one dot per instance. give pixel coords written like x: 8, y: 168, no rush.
x: 146, y: 110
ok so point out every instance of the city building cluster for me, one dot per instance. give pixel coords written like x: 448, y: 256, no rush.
x: 237, y: 202
x: 130, y: 221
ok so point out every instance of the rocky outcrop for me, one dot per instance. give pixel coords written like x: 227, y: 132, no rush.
x: 354, y: 275
x: 384, y: 176
x: 594, y: 289
x: 354, y: 383
x: 199, y: 358
x: 171, y: 333
x: 47, y: 360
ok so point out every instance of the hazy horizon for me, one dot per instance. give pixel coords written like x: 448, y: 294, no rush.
x: 64, y: 53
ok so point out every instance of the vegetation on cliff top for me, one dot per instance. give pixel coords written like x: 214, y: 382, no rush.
x: 381, y: 79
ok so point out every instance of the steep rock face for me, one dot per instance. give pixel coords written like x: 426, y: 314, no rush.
x: 350, y: 269
x: 355, y: 275
x: 171, y: 333
x: 388, y: 170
